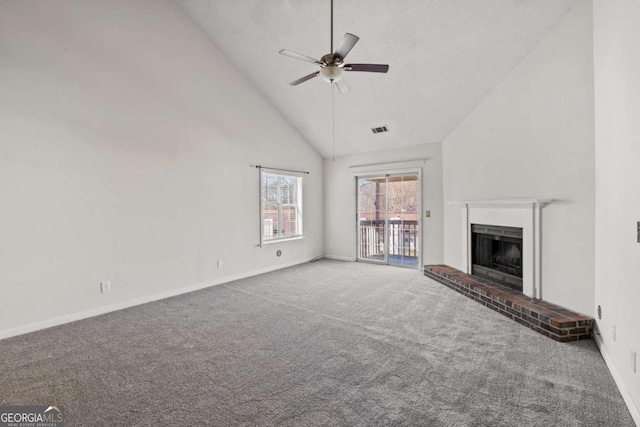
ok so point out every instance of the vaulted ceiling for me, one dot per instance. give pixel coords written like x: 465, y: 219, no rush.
x: 445, y: 56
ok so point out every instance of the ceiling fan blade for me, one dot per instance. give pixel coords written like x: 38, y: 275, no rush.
x: 342, y: 85
x: 372, y: 68
x: 304, y: 79
x: 299, y: 56
x: 346, y: 44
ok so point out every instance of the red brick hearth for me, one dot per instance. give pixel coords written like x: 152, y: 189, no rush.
x: 548, y: 319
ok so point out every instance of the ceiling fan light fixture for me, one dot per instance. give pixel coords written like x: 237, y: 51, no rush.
x: 331, y: 73
x: 332, y: 64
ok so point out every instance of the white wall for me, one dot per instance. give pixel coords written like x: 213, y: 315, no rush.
x: 538, y: 126
x: 124, y: 156
x: 340, y: 199
x: 617, y: 112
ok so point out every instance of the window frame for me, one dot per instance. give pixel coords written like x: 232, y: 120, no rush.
x: 297, y: 205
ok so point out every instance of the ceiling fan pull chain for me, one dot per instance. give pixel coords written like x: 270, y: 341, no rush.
x: 333, y: 120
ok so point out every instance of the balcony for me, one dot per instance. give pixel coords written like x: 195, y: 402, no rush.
x: 402, y: 241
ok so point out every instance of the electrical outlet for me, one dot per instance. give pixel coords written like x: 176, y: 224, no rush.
x: 220, y: 263
x: 105, y: 286
x: 613, y: 332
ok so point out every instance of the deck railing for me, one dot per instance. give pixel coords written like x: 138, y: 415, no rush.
x: 403, y: 238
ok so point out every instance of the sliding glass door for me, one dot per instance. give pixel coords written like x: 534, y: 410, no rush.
x: 388, y: 219
x: 372, y: 218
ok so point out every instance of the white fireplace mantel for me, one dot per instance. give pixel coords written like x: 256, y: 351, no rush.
x: 520, y: 213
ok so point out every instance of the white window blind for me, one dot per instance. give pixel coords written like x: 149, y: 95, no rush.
x: 281, y: 205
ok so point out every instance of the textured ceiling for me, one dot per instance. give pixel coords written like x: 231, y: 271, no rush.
x: 445, y: 56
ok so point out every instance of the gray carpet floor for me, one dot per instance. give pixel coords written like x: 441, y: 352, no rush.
x: 325, y: 343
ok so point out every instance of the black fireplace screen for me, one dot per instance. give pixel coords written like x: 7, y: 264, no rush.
x: 497, y: 254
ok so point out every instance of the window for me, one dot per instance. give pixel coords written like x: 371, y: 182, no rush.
x: 281, y: 206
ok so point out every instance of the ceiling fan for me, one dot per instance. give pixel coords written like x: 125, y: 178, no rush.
x: 332, y: 65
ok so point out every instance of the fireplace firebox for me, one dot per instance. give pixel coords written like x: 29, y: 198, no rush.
x: 496, y: 254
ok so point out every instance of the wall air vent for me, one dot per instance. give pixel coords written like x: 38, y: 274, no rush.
x: 380, y: 129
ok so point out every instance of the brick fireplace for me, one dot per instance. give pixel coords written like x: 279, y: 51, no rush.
x: 520, y: 214
x: 500, y: 267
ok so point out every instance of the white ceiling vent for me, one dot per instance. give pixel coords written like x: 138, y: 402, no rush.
x: 380, y: 129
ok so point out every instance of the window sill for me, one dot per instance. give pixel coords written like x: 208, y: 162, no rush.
x: 290, y: 239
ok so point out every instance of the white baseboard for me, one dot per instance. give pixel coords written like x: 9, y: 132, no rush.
x: 340, y: 258
x: 635, y: 413
x: 32, y: 327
